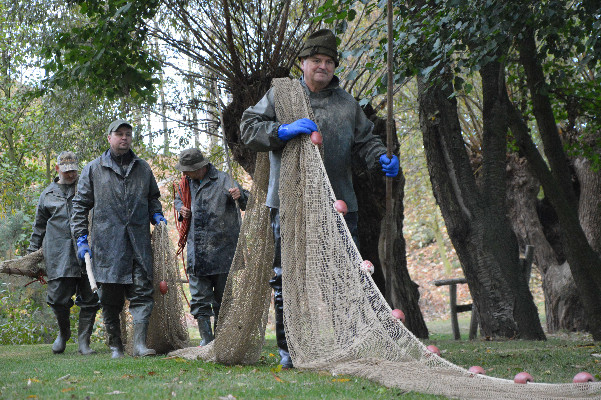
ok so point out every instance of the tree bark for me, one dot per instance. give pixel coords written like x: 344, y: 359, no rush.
x: 475, y: 217
x: 371, y: 197
x: 563, y: 307
x: 585, y: 263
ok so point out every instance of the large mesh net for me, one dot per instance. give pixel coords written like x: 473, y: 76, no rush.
x: 167, y: 325
x: 335, y: 317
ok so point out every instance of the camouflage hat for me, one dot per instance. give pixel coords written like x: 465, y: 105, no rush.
x: 116, y: 124
x: 191, y: 160
x: 67, y: 161
x: 321, y: 42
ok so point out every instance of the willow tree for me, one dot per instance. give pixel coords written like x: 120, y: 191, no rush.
x: 241, y: 44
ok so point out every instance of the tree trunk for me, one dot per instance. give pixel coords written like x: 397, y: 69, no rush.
x: 563, y: 307
x: 475, y: 216
x: 585, y: 263
x: 371, y: 197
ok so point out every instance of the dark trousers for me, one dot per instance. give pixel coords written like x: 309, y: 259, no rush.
x: 61, y: 290
x: 351, y: 220
x: 139, y: 293
x: 207, y: 293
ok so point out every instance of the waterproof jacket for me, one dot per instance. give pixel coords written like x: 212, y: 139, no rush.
x: 215, y: 223
x: 51, y: 231
x: 122, y: 204
x: 347, y: 138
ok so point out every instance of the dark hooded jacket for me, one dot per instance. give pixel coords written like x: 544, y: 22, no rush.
x: 347, y: 138
x: 51, y: 231
x: 215, y: 223
x: 123, y: 201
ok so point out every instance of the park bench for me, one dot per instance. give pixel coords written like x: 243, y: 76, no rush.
x: 526, y: 263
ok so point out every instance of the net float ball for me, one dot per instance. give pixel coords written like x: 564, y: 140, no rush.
x: 367, y: 266
x: 583, y: 377
x: 341, y: 207
x: 163, y: 287
x: 523, y: 378
x: 398, y: 314
x: 477, y: 370
x: 433, y: 349
x: 316, y: 138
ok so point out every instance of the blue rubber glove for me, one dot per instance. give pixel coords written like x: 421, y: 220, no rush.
x: 389, y: 166
x: 158, y: 218
x: 83, y: 247
x: 303, y: 125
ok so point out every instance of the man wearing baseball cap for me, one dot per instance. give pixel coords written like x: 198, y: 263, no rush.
x: 122, y: 192
x: 66, y: 274
x: 214, y: 227
x: 347, y: 137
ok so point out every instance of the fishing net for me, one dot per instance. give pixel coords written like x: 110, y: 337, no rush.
x: 167, y: 328
x: 335, y: 317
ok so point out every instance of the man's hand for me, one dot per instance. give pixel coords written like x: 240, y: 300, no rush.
x: 235, y: 193
x: 83, y: 247
x: 303, y: 125
x: 158, y: 218
x: 185, y: 212
x: 390, y: 166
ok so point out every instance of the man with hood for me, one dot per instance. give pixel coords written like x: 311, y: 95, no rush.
x: 213, y: 235
x: 347, y: 137
x: 122, y: 193
x: 66, y: 274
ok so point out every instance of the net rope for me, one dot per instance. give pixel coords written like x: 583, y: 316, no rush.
x: 334, y: 315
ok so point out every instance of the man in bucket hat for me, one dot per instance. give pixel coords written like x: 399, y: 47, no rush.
x: 123, y: 195
x: 66, y: 274
x: 347, y: 135
x: 214, y: 227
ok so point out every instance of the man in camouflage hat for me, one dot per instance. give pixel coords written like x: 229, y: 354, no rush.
x: 66, y: 274
x: 347, y: 135
x: 214, y: 228
x: 123, y: 194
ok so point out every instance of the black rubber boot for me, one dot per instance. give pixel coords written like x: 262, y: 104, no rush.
x: 140, y: 349
x: 112, y: 324
x: 280, y: 332
x: 204, y: 327
x: 64, y: 329
x: 86, y: 325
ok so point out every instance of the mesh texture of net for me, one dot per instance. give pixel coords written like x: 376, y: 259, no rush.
x: 335, y: 317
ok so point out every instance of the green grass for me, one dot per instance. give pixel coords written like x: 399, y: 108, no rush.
x: 32, y: 371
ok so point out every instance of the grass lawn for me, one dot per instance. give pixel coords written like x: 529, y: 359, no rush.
x: 32, y: 371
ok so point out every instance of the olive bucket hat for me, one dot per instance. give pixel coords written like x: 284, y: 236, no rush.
x: 191, y: 160
x: 321, y: 42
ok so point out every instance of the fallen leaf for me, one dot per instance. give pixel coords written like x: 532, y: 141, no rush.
x: 67, y: 389
x: 151, y: 373
x: 32, y: 396
x: 340, y: 380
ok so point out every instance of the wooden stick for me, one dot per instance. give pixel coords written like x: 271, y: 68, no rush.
x: 90, y: 272
x: 388, y: 243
